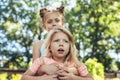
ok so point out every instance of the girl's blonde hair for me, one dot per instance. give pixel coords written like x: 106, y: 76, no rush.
x: 72, y: 55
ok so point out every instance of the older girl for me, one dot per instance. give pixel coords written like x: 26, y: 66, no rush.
x: 50, y: 19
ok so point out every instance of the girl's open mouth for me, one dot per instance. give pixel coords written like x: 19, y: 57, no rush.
x: 60, y: 51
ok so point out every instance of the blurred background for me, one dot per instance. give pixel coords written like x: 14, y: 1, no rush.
x: 95, y: 25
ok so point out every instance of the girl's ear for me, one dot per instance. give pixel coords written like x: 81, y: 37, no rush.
x: 43, y: 26
x: 49, y: 49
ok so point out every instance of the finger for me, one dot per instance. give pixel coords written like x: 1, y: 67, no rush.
x: 59, y: 71
x: 55, y: 79
x: 62, y: 78
x: 54, y: 76
x: 61, y: 67
x: 63, y: 74
x: 66, y: 70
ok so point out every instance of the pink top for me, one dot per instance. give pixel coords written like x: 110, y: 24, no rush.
x: 82, y: 70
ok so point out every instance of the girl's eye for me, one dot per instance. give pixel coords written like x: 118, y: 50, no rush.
x: 66, y: 41
x: 57, y: 20
x: 49, y: 22
x: 56, y: 40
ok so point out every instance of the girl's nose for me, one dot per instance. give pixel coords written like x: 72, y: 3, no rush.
x: 54, y: 23
x: 61, y: 43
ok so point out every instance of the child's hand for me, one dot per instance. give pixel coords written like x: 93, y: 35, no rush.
x: 63, y: 75
x: 47, y: 69
x: 70, y: 70
x: 48, y: 77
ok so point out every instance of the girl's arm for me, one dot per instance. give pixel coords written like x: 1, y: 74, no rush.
x: 36, y: 49
x: 88, y: 77
x: 71, y: 76
x: 47, y: 69
x: 29, y: 75
x: 82, y: 74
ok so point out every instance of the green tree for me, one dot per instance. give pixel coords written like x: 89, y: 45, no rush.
x: 95, y: 25
x: 19, y: 26
x: 95, y: 68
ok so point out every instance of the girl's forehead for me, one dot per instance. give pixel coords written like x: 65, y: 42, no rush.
x: 59, y: 34
x: 49, y: 14
x: 52, y: 12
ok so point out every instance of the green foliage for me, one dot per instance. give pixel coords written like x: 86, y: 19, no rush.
x: 9, y: 76
x: 19, y: 26
x: 95, y: 26
x: 95, y: 68
x: 118, y: 64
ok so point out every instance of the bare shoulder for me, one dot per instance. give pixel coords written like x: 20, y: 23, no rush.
x: 36, y: 49
x: 38, y: 43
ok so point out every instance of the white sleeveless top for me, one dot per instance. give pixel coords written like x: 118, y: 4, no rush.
x: 42, y: 49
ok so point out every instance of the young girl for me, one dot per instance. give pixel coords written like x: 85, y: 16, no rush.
x: 50, y: 19
x: 61, y: 52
